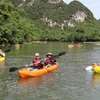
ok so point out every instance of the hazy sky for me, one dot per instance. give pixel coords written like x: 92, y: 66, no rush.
x: 92, y: 5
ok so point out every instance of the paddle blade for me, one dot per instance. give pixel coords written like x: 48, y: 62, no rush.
x: 13, y: 69
x: 16, y: 68
x: 7, y: 50
x: 62, y: 53
x: 54, y: 57
x: 89, y: 69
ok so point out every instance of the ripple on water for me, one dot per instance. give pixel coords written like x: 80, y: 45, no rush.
x: 69, y: 82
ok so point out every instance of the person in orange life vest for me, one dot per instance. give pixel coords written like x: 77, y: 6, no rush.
x: 47, y: 60
x: 37, y: 62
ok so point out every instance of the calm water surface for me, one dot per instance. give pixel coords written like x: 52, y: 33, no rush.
x: 69, y: 82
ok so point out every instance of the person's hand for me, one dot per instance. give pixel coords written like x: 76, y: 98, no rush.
x: 42, y: 62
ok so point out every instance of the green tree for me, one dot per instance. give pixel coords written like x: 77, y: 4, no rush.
x: 14, y: 27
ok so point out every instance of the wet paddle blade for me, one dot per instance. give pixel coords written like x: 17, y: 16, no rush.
x: 16, y: 68
x: 13, y: 69
x: 89, y: 69
x: 62, y: 53
x: 7, y: 50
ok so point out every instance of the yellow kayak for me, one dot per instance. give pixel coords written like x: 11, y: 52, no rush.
x: 2, y: 59
x: 96, y: 69
x: 70, y: 46
x: 17, y: 46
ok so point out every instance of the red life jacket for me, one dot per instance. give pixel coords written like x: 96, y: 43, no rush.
x: 48, y: 61
x: 36, y: 61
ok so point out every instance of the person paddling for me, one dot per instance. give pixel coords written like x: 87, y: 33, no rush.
x: 47, y: 61
x: 36, y: 63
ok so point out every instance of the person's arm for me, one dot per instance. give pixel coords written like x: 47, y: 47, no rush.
x: 53, y: 61
x: 45, y: 62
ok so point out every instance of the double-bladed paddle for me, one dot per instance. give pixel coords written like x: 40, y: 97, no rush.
x: 52, y: 58
x: 7, y: 50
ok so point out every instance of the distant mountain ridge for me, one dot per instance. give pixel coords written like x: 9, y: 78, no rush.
x: 59, y: 13
x: 55, y: 12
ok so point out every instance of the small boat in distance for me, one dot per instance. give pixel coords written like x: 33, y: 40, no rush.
x: 79, y: 45
x: 17, y: 46
x: 70, y: 45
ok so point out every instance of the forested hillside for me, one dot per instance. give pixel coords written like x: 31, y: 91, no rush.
x: 41, y: 20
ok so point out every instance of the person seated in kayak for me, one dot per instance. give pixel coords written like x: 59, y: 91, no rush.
x: 95, y: 64
x: 37, y: 62
x: 2, y: 54
x: 47, y: 61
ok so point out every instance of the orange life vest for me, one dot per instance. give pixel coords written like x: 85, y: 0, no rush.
x: 48, y: 61
x: 36, y: 62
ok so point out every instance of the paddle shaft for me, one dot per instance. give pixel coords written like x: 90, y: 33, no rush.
x: 16, y: 68
x: 52, y: 58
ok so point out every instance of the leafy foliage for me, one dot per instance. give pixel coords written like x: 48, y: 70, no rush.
x: 57, y: 12
x: 24, y: 24
x: 14, y: 27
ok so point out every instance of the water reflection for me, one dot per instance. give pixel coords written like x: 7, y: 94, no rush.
x: 69, y: 82
x: 34, y: 84
x: 31, y: 81
x: 96, y: 79
x: 35, y: 81
x: 3, y: 78
x: 2, y: 64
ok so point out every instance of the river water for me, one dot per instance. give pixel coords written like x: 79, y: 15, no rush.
x: 69, y: 82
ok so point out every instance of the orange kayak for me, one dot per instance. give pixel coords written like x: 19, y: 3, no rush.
x: 25, y: 73
x: 79, y: 45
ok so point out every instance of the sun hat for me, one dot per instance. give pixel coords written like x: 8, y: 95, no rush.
x: 37, y: 54
x: 49, y: 54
